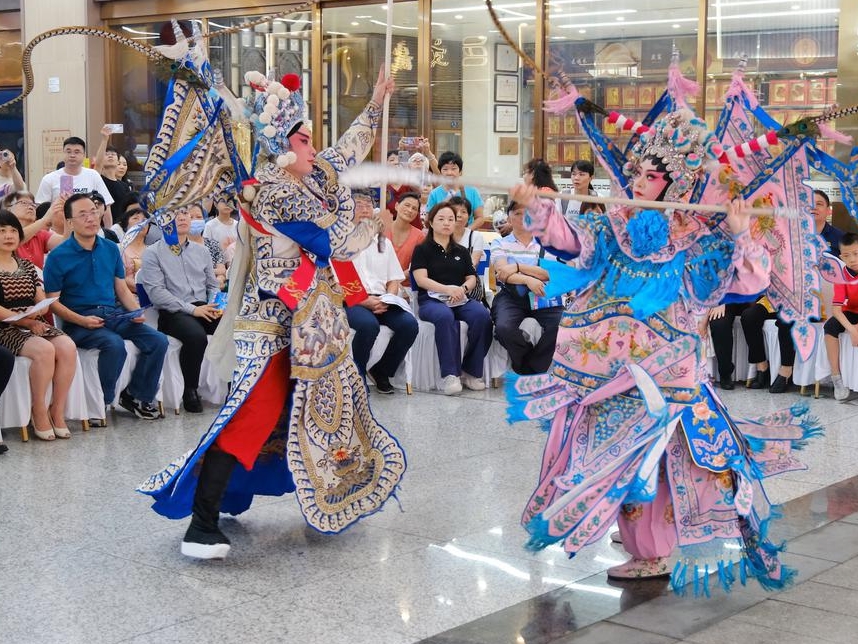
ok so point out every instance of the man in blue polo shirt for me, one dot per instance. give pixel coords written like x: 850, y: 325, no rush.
x: 87, y: 275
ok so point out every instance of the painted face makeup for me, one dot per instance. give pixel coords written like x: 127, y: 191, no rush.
x: 648, y: 182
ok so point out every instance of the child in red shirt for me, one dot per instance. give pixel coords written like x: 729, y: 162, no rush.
x: 845, y: 314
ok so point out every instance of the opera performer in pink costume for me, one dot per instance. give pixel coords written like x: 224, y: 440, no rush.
x: 638, y: 435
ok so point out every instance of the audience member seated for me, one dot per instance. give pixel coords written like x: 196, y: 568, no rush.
x: 195, y: 234
x: 753, y: 318
x: 73, y: 178
x: 582, y: 178
x: 52, y: 353
x: 521, y: 281
x: 10, y: 178
x: 821, y: 214
x: 451, y: 165
x: 38, y: 236
x: 133, y: 244
x: 394, y: 191
x: 223, y: 228
x: 87, y: 275
x: 444, y: 276
x: 720, y: 320
x: 403, y: 234
x: 7, y: 364
x: 101, y: 205
x: 180, y: 287
x: 425, y: 191
x: 844, y: 316
x: 464, y: 236
x: 424, y: 148
x: 381, y: 274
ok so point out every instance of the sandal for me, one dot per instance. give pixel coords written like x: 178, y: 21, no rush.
x: 44, y: 434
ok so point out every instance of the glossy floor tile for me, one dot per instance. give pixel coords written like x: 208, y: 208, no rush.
x: 84, y: 559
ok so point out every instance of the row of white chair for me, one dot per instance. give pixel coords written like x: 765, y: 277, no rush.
x: 815, y: 371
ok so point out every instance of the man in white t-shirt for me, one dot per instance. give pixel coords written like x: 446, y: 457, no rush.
x: 73, y: 178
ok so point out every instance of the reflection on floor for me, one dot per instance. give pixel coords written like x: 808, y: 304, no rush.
x: 83, y: 559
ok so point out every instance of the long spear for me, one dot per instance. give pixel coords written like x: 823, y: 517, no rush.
x: 370, y: 174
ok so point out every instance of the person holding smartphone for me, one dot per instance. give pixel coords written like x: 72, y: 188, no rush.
x: 73, y: 178
x: 10, y: 178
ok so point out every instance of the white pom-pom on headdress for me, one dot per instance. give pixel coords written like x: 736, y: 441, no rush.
x: 284, y: 160
x: 265, y: 118
x: 248, y: 193
x: 272, y: 100
x: 269, y: 131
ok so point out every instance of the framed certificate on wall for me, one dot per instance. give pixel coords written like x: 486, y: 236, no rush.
x: 506, y: 118
x: 506, y: 60
x: 506, y: 88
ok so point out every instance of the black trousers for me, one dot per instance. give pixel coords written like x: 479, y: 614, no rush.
x: 508, y: 312
x: 191, y: 332
x: 7, y: 364
x: 753, y: 319
x: 721, y: 331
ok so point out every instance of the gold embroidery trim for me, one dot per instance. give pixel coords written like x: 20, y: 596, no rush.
x: 272, y: 328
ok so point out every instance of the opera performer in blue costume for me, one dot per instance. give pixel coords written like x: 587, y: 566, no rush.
x: 297, y: 417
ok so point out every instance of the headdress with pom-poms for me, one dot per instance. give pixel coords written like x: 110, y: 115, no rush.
x: 278, y: 111
x: 683, y: 144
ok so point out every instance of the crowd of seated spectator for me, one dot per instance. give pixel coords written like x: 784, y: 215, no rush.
x: 94, y: 257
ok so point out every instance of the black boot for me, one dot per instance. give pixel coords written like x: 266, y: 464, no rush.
x: 204, y: 540
x: 762, y: 380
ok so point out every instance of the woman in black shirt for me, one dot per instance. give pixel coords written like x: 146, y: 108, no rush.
x: 444, y: 276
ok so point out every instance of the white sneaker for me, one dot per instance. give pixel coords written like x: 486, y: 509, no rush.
x: 472, y: 382
x: 840, y: 391
x: 451, y: 385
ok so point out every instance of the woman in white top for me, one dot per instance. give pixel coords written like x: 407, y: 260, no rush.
x: 381, y: 274
x: 582, y: 177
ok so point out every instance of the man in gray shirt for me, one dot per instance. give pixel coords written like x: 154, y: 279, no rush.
x: 180, y: 286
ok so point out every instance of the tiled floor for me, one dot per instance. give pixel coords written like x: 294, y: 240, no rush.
x: 83, y: 559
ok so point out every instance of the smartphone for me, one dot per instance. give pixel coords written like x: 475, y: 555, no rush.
x: 66, y: 184
x: 116, y: 128
x: 410, y: 143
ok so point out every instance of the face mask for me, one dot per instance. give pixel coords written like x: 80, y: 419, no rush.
x: 197, y: 227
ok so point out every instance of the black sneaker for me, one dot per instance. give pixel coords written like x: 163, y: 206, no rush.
x: 382, y: 383
x: 147, y: 411
x: 144, y: 410
x: 191, y: 402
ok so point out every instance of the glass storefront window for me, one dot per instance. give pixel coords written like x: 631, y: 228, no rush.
x: 617, y: 54
x: 791, y: 51
x: 482, y: 98
x: 353, y: 44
